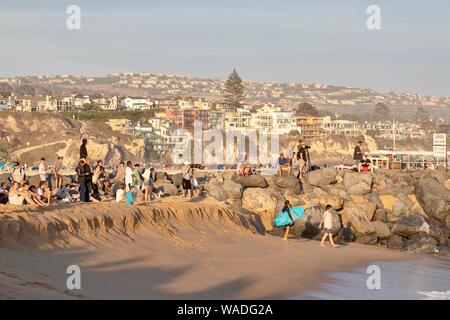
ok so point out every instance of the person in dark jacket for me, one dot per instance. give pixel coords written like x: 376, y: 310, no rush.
x: 84, y: 177
x: 83, y: 149
x: 358, y: 154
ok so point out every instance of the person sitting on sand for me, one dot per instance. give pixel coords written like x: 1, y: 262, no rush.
x: 287, y: 208
x: 3, y: 193
x: 327, y: 223
x: 33, y: 197
x: 120, y: 193
x: 44, y: 192
x: 130, y: 199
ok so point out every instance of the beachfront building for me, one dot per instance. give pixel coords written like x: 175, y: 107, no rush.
x: 26, y: 104
x: 399, y: 131
x: 216, y: 119
x: 136, y: 103
x: 47, y: 103
x: 202, y: 104
x: 81, y: 100
x: 238, y: 120
x: 6, y: 103
x: 311, y: 127
x: 341, y: 127
x: 274, y: 119
x: 185, y: 104
x: 165, y: 103
x: 104, y: 103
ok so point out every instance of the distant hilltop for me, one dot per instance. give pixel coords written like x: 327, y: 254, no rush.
x: 171, y: 85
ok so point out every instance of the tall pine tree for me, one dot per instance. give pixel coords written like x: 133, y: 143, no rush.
x: 234, y: 91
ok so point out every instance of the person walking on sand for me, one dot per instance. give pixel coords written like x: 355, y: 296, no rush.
x: 83, y: 149
x: 327, y: 223
x: 287, y: 208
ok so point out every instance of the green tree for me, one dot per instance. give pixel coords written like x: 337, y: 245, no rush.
x: 234, y: 91
x: 382, y: 112
x: 307, y: 109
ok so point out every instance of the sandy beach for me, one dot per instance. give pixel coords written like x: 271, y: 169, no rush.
x: 171, y: 249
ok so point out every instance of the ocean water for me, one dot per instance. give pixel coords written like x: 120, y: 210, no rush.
x: 425, y: 278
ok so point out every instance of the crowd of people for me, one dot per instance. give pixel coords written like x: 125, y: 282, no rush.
x: 93, y: 183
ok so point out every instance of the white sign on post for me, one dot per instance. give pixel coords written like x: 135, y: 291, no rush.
x: 440, y: 139
x: 440, y: 151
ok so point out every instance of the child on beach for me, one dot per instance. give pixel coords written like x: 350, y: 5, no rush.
x: 130, y: 198
x: 327, y: 222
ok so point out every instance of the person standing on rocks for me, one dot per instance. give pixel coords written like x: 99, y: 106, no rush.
x: 327, y: 223
x: 188, y: 174
x: 83, y: 149
x: 358, y: 154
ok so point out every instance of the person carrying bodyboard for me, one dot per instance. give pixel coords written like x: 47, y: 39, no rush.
x: 287, y: 208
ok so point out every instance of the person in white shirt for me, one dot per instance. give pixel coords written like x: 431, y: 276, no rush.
x: 43, y: 170
x: 120, y: 194
x: 129, y: 175
x: 327, y: 222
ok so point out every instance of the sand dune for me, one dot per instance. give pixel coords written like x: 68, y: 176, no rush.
x: 175, y: 249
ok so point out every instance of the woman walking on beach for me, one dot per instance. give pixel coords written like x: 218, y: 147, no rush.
x: 287, y: 208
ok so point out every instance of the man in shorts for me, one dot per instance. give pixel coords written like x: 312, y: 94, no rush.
x: 327, y: 223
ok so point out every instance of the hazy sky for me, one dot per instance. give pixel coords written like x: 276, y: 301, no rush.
x: 286, y: 41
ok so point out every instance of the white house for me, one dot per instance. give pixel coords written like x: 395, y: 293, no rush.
x: 137, y: 103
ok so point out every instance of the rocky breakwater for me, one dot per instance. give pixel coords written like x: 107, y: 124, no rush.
x: 395, y: 209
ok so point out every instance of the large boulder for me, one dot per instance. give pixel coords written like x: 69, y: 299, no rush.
x: 337, y: 191
x: 357, y: 183
x: 289, y: 182
x: 216, y: 190
x: 356, y: 217
x: 373, y: 197
x: 422, y: 243
x: 380, y: 215
x: 253, y: 181
x: 434, y: 198
x: 410, y: 225
x: 363, y: 205
x: 381, y: 229
x: 367, y: 239
x: 394, y: 241
x: 258, y: 200
x: 321, y: 177
x: 233, y: 190
x: 308, y: 225
x: 438, y: 231
x: 325, y: 199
